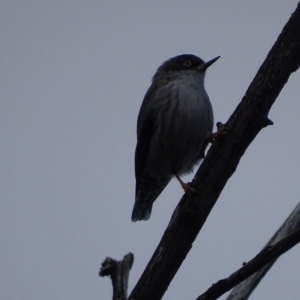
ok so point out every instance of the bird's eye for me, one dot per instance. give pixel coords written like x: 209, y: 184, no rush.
x: 187, y: 63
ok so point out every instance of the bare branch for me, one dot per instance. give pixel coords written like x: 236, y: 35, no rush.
x: 285, y: 238
x: 244, y: 289
x: 249, y: 118
x: 118, y: 271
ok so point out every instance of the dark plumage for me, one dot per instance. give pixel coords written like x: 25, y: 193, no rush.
x: 174, y: 121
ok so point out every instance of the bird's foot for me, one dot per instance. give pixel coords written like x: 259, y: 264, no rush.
x: 221, y: 132
x: 186, y: 187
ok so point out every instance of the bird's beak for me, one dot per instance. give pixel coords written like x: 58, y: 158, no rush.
x: 207, y: 64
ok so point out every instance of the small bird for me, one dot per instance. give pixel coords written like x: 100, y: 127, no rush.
x: 173, y: 129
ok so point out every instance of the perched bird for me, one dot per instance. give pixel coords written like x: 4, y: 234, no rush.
x: 174, y: 124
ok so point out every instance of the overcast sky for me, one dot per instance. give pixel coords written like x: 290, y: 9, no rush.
x: 73, y: 76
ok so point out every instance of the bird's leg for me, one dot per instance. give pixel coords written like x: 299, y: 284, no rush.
x: 185, y: 186
x: 221, y: 132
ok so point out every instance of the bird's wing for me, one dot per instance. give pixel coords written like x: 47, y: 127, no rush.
x: 145, y: 131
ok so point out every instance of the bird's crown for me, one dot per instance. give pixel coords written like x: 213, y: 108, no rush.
x: 181, y: 62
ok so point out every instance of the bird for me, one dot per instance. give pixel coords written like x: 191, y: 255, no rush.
x: 174, y: 127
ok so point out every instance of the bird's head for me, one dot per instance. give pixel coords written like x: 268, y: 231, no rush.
x: 186, y: 62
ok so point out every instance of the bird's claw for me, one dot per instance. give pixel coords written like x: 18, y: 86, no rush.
x: 186, y: 187
x: 221, y: 132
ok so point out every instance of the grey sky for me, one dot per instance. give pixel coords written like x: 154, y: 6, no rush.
x: 73, y: 76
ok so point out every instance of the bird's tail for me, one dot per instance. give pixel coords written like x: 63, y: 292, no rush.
x: 141, y: 211
x: 147, y: 190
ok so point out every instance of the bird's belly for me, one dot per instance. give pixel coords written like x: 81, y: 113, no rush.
x: 185, y: 147
x: 180, y: 141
